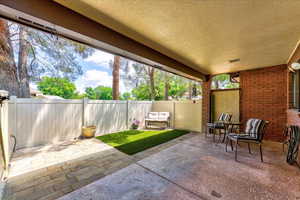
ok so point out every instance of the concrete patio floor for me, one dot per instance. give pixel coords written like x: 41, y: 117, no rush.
x: 49, y: 172
x: 189, y: 167
x: 198, y: 169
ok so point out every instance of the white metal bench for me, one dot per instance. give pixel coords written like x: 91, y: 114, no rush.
x: 157, y: 117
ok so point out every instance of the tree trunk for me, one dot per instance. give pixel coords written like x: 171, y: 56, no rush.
x: 22, y: 64
x: 190, y: 90
x: 216, y: 84
x: 167, y: 86
x: 8, y: 70
x: 151, y: 78
x: 116, y: 78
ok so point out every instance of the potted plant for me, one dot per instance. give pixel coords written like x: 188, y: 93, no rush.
x: 88, y: 131
x: 135, y: 124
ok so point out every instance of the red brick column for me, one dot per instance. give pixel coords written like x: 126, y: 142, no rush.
x: 205, y: 104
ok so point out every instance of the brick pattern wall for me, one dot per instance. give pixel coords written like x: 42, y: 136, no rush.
x: 290, y: 90
x: 205, y: 104
x: 264, y: 96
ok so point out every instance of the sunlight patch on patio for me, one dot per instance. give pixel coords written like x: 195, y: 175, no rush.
x: 37, y: 158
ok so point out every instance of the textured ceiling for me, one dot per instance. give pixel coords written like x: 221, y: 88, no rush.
x: 204, y: 34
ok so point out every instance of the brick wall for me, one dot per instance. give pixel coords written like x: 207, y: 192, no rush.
x: 264, y: 96
x: 205, y: 104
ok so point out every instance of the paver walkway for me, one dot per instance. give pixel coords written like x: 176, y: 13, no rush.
x: 49, y: 172
x: 198, y: 169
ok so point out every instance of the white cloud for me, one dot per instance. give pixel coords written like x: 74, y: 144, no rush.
x: 94, y: 78
x: 100, y: 58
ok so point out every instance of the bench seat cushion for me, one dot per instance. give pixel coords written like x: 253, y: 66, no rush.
x: 156, y: 119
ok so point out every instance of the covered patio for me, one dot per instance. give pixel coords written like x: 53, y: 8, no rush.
x: 189, y: 167
x: 255, y: 42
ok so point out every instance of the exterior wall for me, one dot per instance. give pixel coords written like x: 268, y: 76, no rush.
x: 184, y: 114
x: 264, y: 96
x: 227, y: 101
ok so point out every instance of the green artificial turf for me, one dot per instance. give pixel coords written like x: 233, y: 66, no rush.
x: 134, y: 141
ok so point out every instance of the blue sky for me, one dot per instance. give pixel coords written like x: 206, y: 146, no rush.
x: 96, y: 71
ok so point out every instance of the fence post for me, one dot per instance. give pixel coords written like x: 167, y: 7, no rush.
x: 84, y: 110
x: 14, y: 101
x: 174, y: 114
x: 127, y: 114
x: 4, y: 137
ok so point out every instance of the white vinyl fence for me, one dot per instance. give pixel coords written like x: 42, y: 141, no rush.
x: 38, y: 121
x: 112, y: 116
x: 5, y: 150
x: 184, y: 114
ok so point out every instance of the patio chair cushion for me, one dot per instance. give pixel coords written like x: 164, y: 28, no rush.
x: 253, y: 131
x: 254, y: 127
x: 217, y: 125
x: 241, y: 136
x: 224, y: 117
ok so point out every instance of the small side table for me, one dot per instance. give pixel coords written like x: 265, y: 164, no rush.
x: 229, y: 127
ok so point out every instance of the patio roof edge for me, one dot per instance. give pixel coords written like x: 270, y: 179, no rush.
x: 63, y: 18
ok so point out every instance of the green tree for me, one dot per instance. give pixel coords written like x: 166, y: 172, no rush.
x: 99, y: 93
x: 57, y: 86
x: 222, y: 81
x: 126, y: 96
x: 165, y: 85
x: 142, y: 76
x: 141, y: 92
x: 90, y: 93
x: 178, y: 87
x: 31, y: 54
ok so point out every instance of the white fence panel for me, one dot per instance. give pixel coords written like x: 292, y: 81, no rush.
x: 165, y: 106
x: 138, y: 110
x: 188, y: 115
x: 35, y: 122
x: 107, y: 116
x: 184, y: 114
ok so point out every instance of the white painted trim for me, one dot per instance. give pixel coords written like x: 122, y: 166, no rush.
x: 293, y: 52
